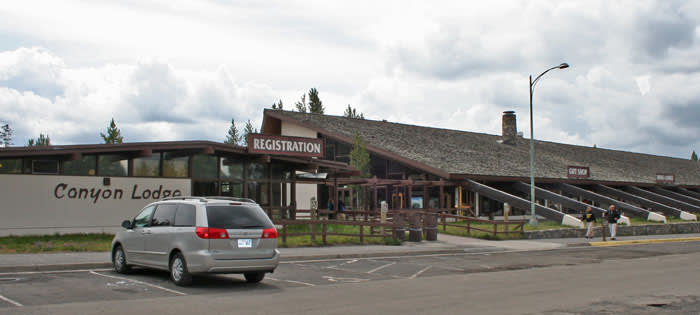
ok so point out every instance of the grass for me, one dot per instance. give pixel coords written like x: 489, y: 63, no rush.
x: 459, y: 231
x: 55, y: 243
x: 305, y: 241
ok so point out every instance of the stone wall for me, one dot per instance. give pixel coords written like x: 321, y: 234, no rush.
x: 650, y: 229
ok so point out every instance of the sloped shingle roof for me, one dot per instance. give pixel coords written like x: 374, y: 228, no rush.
x: 460, y: 152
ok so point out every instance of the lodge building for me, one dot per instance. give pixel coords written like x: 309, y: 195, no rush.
x: 300, y: 156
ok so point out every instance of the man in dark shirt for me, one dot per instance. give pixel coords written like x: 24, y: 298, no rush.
x: 612, y: 215
x: 589, y: 219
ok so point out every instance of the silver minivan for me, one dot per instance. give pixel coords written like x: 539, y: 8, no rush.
x: 196, y: 235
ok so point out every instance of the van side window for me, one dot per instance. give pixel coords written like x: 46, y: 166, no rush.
x: 185, y: 215
x: 165, y: 215
x: 144, y: 218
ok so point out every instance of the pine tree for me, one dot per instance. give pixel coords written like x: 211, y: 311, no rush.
x: 352, y: 113
x: 6, y: 135
x: 43, y: 140
x: 301, y: 105
x: 233, y: 136
x: 694, y: 156
x: 278, y: 106
x: 359, y: 157
x: 315, y: 104
x: 114, y: 135
x: 248, y: 130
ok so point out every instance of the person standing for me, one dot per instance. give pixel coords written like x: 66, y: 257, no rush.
x: 612, y: 215
x: 589, y: 219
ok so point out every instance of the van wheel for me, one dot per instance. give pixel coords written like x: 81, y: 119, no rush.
x: 254, y: 277
x: 119, y: 260
x: 178, y: 270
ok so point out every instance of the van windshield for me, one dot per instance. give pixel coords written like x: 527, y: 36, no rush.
x: 237, y: 217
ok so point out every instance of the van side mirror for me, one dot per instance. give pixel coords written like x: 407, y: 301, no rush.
x: 126, y: 224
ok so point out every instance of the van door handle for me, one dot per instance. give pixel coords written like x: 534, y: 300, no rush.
x: 146, y: 231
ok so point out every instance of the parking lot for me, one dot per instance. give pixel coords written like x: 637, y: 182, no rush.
x: 57, y: 287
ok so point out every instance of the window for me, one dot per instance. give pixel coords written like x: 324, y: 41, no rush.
x: 85, y: 166
x: 258, y: 192
x: 232, y: 189
x: 144, y: 218
x: 10, y: 166
x: 175, y: 165
x: 257, y: 171
x: 237, y: 217
x: 113, y: 165
x: 280, y: 172
x: 185, y: 215
x: 205, y: 188
x: 147, y: 166
x: 164, y: 216
x: 204, y: 166
x: 231, y: 168
x: 44, y: 167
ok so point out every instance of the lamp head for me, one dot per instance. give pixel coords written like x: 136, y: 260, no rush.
x: 563, y: 65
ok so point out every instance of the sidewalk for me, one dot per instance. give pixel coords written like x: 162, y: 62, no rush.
x: 446, y: 244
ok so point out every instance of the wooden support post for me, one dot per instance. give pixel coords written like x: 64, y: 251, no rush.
x: 362, y: 239
x: 441, y: 204
x: 312, y: 228
x: 324, y: 233
x: 284, y: 234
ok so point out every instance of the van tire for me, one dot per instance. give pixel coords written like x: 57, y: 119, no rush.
x: 254, y: 277
x: 119, y: 260
x: 179, y: 273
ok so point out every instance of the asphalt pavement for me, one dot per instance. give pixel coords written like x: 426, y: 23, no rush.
x: 445, y: 244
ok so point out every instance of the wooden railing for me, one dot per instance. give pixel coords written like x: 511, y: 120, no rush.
x: 374, y: 229
x: 518, y: 225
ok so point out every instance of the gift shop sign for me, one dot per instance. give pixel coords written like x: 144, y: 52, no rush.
x: 578, y: 172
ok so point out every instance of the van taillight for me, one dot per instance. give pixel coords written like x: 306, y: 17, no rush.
x: 211, y: 233
x: 269, y: 233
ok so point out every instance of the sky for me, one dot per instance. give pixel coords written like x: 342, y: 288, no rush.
x: 181, y: 70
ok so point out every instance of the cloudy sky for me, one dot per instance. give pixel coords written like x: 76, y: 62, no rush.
x: 181, y: 70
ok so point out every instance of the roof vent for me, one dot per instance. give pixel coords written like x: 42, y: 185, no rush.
x: 510, y: 130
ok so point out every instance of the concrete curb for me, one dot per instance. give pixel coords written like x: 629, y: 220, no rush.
x: 651, y: 241
x: 55, y: 267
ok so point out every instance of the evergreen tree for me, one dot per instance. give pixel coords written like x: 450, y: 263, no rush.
x: 278, y: 106
x: 6, y: 135
x: 315, y: 104
x: 352, y: 113
x: 248, y: 130
x: 301, y: 105
x: 359, y: 157
x: 233, y: 136
x: 694, y: 156
x: 43, y: 140
x: 114, y: 135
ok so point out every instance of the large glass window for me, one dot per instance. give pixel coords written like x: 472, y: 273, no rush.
x: 147, y: 166
x: 205, y: 188
x: 44, y: 167
x: 175, y: 165
x: 204, y: 166
x: 85, y: 166
x: 232, y: 189
x: 113, y: 165
x: 257, y: 171
x: 280, y: 172
x: 258, y: 192
x: 10, y: 166
x: 231, y: 168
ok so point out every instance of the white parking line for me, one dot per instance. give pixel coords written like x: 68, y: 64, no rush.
x: 292, y: 281
x: 54, y: 271
x: 381, y: 267
x: 139, y: 282
x: 13, y: 302
x: 420, y: 272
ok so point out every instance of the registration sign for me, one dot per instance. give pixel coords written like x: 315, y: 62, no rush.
x: 245, y: 243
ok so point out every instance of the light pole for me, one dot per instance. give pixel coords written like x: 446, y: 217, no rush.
x: 533, y: 217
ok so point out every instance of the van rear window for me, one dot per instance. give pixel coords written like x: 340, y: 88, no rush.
x: 237, y: 217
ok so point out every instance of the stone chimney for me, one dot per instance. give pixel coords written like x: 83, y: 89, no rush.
x: 510, y: 129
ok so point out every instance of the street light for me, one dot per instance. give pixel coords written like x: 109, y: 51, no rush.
x: 533, y: 218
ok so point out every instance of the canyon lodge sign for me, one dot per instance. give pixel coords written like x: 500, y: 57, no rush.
x: 297, y: 146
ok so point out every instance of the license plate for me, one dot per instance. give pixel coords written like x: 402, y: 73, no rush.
x: 245, y: 243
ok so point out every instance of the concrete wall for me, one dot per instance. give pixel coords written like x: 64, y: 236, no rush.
x: 649, y: 229
x: 294, y: 130
x: 48, y: 204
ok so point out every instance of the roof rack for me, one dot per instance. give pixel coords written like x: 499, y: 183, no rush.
x: 202, y: 199
x: 231, y: 198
